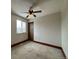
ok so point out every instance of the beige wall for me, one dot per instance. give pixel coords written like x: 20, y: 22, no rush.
x: 47, y: 29
x: 15, y: 38
x: 64, y: 30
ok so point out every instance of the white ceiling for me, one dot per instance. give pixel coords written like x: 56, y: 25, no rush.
x: 47, y: 6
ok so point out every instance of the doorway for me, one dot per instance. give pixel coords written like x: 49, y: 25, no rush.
x: 31, y: 31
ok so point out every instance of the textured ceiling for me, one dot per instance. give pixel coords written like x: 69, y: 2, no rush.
x: 47, y: 6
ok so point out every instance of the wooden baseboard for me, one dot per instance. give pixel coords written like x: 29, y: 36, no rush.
x: 43, y: 44
x: 48, y: 44
x: 19, y: 43
x: 63, y: 53
x: 52, y: 46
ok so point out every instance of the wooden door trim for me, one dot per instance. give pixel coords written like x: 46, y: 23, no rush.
x: 28, y: 29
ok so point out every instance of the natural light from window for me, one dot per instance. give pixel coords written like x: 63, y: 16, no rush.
x: 20, y: 26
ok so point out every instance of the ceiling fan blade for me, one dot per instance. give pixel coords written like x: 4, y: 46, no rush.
x: 27, y: 16
x: 34, y: 15
x: 37, y: 2
x: 30, y: 7
x: 33, y: 5
x: 37, y: 11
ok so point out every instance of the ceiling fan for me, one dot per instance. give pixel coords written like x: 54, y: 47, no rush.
x: 32, y: 12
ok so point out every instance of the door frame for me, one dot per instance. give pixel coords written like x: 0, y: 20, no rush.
x: 29, y: 31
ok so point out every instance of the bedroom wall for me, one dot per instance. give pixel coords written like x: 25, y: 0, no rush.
x: 47, y: 29
x: 15, y: 38
x: 64, y: 30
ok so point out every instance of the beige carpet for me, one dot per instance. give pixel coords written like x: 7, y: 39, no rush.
x: 32, y: 50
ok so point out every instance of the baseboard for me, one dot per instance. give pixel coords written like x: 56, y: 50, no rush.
x: 48, y: 44
x: 58, y: 47
x: 63, y: 53
x: 19, y: 43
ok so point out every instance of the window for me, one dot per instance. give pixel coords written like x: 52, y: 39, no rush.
x: 21, y: 26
